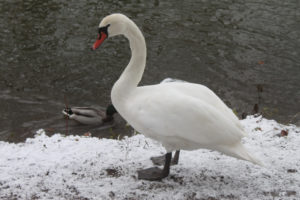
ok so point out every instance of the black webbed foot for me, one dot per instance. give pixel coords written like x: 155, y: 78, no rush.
x: 155, y: 173
x: 152, y: 174
x: 160, y: 160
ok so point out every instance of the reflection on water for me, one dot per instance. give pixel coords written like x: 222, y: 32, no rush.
x: 230, y: 46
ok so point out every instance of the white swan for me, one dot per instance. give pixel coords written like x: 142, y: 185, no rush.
x: 180, y: 115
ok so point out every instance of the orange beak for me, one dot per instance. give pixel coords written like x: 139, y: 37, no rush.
x: 101, y: 37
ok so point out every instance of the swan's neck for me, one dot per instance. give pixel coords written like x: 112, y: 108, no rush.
x: 133, y: 73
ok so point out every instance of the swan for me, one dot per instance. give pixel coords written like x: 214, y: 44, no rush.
x: 180, y: 115
x: 90, y: 116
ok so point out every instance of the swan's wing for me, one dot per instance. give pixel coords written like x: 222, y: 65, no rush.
x: 208, y: 96
x: 168, y: 112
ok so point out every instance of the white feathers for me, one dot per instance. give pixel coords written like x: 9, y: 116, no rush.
x: 180, y: 115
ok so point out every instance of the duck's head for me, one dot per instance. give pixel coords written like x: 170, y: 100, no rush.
x: 110, y: 111
x: 111, y: 25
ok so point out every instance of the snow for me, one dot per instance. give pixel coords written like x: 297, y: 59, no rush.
x: 80, y: 167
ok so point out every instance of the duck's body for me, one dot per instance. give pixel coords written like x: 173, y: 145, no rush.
x: 180, y: 115
x: 90, y: 116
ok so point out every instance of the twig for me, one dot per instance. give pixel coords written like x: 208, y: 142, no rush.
x: 67, y: 118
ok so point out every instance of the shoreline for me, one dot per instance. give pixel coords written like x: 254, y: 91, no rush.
x: 83, y: 167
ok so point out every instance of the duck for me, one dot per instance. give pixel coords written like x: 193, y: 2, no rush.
x: 179, y: 115
x: 93, y: 116
x: 89, y: 115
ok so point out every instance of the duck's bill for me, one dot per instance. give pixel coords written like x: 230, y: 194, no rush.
x: 64, y: 112
x: 101, y: 37
x: 67, y: 112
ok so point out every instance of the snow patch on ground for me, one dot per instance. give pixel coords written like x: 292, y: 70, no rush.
x: 78, y: 167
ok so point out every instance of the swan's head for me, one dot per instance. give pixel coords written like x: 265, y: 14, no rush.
x: 111, y: 25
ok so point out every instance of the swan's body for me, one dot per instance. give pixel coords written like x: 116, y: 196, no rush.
x: 173, y: 112
x: 90, y: 116
x: 180, y: 115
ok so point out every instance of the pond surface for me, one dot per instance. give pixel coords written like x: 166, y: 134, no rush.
x: 248, y: 52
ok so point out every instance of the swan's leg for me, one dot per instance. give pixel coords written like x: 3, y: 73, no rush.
x: 155, y: 173
x: 160, y: 160
x: 176, y: 158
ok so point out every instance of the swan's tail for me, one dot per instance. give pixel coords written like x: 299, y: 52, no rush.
x: 240, y: 152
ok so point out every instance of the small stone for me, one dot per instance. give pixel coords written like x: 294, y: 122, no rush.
x: 111, y: 194
x: 292, y: 171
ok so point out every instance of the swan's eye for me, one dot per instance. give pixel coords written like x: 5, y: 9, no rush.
x: 103, y: 29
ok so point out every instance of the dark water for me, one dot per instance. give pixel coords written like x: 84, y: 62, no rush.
x: 230, y: 46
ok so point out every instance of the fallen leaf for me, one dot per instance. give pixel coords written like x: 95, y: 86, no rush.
x: 87, y: 134
x: 284, y: 132
x: 258, y: 129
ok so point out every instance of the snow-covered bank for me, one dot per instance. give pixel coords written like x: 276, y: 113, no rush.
x: 75, y: 167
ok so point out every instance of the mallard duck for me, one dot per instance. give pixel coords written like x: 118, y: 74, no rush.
x: 180, y: 115
x: 90, y: 116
